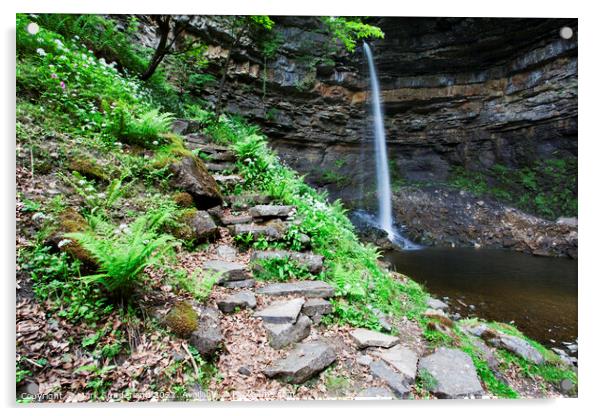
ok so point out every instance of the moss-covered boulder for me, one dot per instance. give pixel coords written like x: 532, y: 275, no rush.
x: 183, y: 199
x: 195, y: 226
x: 182, y: 319
x: 88, y: 168
x: 191, y: 175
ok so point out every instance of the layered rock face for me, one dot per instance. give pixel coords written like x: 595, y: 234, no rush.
x: 457, y: 92
x: 468, y: 92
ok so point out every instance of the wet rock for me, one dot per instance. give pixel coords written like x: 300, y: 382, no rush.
x: 227, y: 253
x: 303, y: 362
x: 401, y: 359
x: 453, y: 372
x: 281, y: 335
x: 281, y: 312
x: 272, y: 230
x: 393, y: 379
x: 238, y: 300
x: 316, y: 307
x: 375, y: 393
x: 271, y: 211
x: 307, y: 288
x: 313, y: 262
x: 433, y: 303
x: 207, y: 338
x: 191, y: 175
x: 239, y: 284
x: 365, y: 338
x: 228, y: 271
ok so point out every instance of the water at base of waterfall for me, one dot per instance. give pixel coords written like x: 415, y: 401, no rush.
x: 365, y: 220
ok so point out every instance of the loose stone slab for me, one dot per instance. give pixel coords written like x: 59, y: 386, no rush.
x: 228, y: 271
x: 317, y: 306
x: 402, y: 359
x: 454, y: 373
x: 271, y: 211
x: 220, y: 167
x: 302, y: 363
x: 313, y: 262
x: 207, y: 338
x: 281, y: 335
x: 515, y: 345
x: 375, y: 393
x: 239, y: 300
x: 307, y: 288
x: 393, y: 379
x: 436, y: 304
x: 365, y: 338
x: 239, y: 284
x: 281, y: 312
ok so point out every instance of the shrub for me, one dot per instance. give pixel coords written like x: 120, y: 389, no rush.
x: 123, y: 253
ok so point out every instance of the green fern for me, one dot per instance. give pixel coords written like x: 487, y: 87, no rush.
x: 125, y: 253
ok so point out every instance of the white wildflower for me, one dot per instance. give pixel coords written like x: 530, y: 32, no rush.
x: 63, y: 242
x: 155, y: 143
x: 41, y: 52
x: 38, y: 216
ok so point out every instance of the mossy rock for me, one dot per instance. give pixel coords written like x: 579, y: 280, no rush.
x: 88, y: 168
x: 182, y: 319
x: 184, y: 199
x: 71, y: 221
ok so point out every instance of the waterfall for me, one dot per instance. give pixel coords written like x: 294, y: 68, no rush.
x: 385, y: 216
x: 385, y: 212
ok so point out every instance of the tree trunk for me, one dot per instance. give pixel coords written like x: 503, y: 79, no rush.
x: 161, y: 49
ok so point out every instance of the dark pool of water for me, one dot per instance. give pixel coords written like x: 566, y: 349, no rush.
x: 538, y: 293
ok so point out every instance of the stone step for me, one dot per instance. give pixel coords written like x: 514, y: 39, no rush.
x: 375, y: 393
x: 247, y: 200
x: 272, y: 230
x: 453, y: 372
x: 315, y: 308
x: 313, y: 262
x: 307, y: 288
x: 220, y: 167
x: 282, y: 335
x: 302, y: 363
x: 208, y: 148
x: 271, y: 211
x: 182, y: 126
x: 284, y: 312
x: 228, y: 180
x: 226, y: 156
x: 228, y: 271
x: 239, y: 284
x: 229, y: 219
x: 365, y: 338
x: 238, y: 300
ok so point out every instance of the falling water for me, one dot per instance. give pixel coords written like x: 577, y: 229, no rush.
x: 385, y: 217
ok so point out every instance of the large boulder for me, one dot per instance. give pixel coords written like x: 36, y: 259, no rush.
x: 453, y: 374
x: 203, y: 225
x: 302, y: 363
x: 191, y: 175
